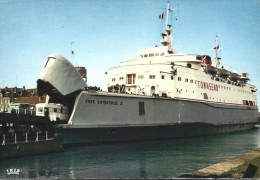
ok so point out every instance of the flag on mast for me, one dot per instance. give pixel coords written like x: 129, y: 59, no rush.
x: 161, y: 16
x: 217, y: 47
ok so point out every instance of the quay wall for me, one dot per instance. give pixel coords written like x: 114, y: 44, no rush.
x: 31, y: 148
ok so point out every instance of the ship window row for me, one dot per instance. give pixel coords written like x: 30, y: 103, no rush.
x: 242, y: 91
x: 151, y: 55
x: 131, y: 78
x: 187, y: 80
x: 205, y: 96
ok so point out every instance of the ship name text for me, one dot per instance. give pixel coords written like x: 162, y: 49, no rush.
x: 90, y: 101
x: 209, y: 86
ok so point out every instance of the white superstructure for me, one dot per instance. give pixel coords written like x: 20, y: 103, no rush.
x: 161, y: 71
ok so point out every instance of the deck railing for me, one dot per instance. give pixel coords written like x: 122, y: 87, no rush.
x: 28, y: 137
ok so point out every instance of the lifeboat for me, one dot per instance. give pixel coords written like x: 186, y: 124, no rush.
x: 244, y: 77
x: 234, y: 76
x: 223, y: 73
x: 211, y: 70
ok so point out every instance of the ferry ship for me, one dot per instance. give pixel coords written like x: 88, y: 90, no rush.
x: 160, y: 94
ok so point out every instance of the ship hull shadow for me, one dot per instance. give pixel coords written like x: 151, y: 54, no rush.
x: 109, y: 135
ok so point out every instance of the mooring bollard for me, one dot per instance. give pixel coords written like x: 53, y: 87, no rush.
x: 36, y: 136
x: 250, y: 171
x: 46, y: 135
x: 3, y: 143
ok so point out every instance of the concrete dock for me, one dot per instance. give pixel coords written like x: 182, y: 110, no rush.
x: 217, y: 170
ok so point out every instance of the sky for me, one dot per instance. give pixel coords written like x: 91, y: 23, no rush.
x: 103, y: 33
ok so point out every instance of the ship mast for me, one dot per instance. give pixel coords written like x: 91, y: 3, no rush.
x: 217, y: 59
x: 167, y: 38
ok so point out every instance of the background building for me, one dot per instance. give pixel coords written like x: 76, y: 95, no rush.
x: 4, y: 103
x: 18, y: 95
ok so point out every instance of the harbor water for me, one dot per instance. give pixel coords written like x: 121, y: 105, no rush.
x: 151, y: 159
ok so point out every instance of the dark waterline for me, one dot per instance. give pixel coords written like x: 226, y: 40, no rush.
x: 153, y: 159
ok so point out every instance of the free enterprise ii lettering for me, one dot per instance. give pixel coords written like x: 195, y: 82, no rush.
x: 90, y: 101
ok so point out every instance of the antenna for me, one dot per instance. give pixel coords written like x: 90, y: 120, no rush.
x: 72, y: 52
x: 167, y: 16
x: 167, y: 37
x: 216, y: 48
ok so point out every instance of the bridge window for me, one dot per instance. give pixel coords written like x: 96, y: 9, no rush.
x: 131, y: 78
x: 152, y: 77
x: 162, y: 76
x: 141, y: 77
x: 151, y: 55
x: 189, y: 65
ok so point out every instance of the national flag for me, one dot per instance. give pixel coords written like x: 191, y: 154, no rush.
x: 217, y: 47
x: 72, y: 52
x: 161, y: 16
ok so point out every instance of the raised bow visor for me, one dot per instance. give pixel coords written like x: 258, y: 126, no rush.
x: 59, y: 74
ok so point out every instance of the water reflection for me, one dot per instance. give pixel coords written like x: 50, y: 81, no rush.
x: 154, y: 159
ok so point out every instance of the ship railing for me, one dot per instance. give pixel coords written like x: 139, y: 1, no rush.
x: 23, y: 111
x: 15, y: 138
